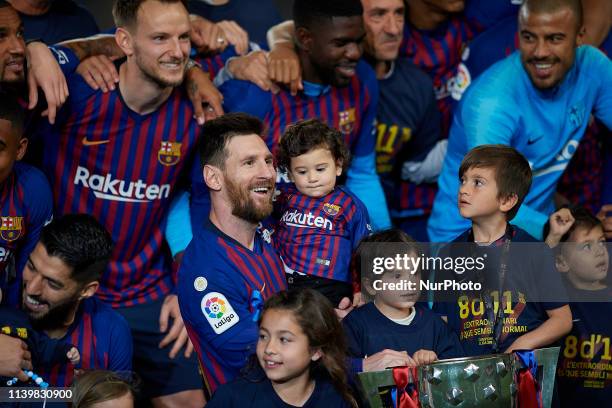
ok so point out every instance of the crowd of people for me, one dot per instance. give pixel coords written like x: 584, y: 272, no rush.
x: 192, y: 200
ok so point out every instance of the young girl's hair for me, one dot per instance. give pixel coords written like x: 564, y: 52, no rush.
x: 307, y: 135
x: 316, y: 316
x: 98, y: 386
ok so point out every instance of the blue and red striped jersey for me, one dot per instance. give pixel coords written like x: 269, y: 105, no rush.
x: 104, y: 341
x: 349, y: 109
x: 26, y: 205
x: 317, y: 236
x: 438, y: 53
x: 408, y: 124
x: 218, y: 286
x: 106, y: 160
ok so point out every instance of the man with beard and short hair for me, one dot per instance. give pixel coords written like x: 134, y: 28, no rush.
x: 61, y: 277
x: 556, y: 83
x: 119, y: 156
x: 230, y: 266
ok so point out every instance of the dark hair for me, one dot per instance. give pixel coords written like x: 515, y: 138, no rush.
x: 552, y: 6
x: 125, y: 12
x: 583, y: 219
x: 309, y: 12
x: 81, y: 242
x: 4, y: 3
x: 306, y: 135
x: 218, y: 132
x: 11, y: 110
x: 97, y: 386
x: 367, y: 249
x: 512, y: 171
x: 316, y: 316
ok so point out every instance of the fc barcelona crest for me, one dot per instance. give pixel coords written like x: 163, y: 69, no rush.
x: 331, y: 209
x: 169, y: 153
x: 11, y: 228
x: 347, y: 121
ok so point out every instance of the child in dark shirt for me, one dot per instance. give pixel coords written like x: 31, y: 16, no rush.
x: 394, y: 320
x: 300, y: 358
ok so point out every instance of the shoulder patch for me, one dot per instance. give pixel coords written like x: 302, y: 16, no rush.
x: 218, y: 312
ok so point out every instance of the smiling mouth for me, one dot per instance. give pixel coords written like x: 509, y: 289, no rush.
x: 272, y: 364
x: 33, y: 304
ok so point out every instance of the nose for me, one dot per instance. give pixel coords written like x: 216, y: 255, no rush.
x: 33, y: 287
x: 17, y: 46
x: 312, y: 176
x: 267, y: 171
x: 541, y: 49
x: 392, y: 26
x: 270, y: 347
x: 353, y: 51
x: 176, y: 49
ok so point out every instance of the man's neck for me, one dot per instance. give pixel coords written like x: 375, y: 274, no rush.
x: 59, y: 332
x: 489, y: 230
x: 232, y: 226
x: 141, y: 95
x: 31, y: 7
x: 424, y: 17
x: 309, y: 73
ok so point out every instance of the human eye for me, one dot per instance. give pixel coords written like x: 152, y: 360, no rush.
x: 285, y: 340
x: 586, y: 246
x: 53, y: 285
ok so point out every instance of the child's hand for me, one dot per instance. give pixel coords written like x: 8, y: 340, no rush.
x: 74, y: 356
x: 423, y: 357
x: 560, y: 222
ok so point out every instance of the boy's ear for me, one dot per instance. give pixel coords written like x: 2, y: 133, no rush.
x: 561, y: 264
x: 22, y: 147
x: 339, y: 167
x: 368, y: 287
x: 507, y: 203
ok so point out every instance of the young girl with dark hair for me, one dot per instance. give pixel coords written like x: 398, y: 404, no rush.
x: 300, y: 358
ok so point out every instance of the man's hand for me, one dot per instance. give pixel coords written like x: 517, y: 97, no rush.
x: 206, y: 36
x: 235, y: 35
x: 606, y: 219
x: 177, y: 332
x: 206, y: 99
x: 253, y: 67
x: 44, y: 71
x: 387, y: 358
x: 284, y: 67
x: 344, y: 308
x: 99, y: 72
x: 560, y: 222
x: 423, y: 357
x: 14, y: 358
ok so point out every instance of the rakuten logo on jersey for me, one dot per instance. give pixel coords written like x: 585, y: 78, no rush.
x: 107, y: 188
x: 300, y: 220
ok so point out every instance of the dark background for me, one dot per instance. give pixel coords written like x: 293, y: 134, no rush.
x: 101, y: 9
